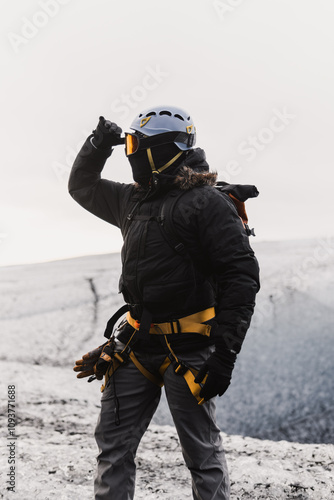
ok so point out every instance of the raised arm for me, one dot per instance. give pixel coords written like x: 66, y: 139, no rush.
x: 101, y: 197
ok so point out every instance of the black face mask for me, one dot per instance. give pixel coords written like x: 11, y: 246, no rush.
x: 141, y: 168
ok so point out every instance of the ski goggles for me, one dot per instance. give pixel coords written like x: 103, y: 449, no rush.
x: 131, y: 144
x: 134, y: 142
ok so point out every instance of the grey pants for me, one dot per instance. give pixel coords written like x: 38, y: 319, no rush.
x: 138, y: 397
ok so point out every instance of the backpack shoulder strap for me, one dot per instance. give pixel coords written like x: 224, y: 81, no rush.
x: 167, y: 224
x: 239, y: 193
x: 130, y: 215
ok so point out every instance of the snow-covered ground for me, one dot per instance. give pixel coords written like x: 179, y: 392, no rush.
x: 282, y: 386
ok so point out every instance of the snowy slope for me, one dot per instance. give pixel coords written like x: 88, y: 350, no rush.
x: 282, y: 386
x: 56, y: 450
x: 283, y: 382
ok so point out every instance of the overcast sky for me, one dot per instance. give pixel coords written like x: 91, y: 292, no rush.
x: 256, y: 75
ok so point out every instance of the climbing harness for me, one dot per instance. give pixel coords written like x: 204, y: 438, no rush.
x: 189, y: 324
x: 180, y: 368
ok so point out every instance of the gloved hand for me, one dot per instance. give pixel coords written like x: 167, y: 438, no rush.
x: 95, y: 362
x: 104, y: 360
x: 219, y: 367
x: 85, y: 365
x: 106, y: 134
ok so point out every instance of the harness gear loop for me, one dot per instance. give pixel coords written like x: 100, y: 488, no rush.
x: 118, y: 359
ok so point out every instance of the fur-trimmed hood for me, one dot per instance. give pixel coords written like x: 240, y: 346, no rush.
x: 194, y: 171
x: 187, y: 178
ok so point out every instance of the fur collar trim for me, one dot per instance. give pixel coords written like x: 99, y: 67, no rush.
x: 187, y: 178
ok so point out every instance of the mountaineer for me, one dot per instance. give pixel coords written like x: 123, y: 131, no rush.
x: 189, y: 280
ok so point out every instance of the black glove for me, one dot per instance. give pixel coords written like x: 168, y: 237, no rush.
x: 219, y: 367
x: 107, y: 134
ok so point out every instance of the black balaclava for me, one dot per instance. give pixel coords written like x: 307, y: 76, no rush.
x: 161, y: 155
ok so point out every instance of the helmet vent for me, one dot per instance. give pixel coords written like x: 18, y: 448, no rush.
x: 152, y: 113
x: 165, y: 113
x: 180, y: 117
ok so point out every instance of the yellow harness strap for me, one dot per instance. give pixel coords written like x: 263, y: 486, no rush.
x: 164, y: 366
x: 188, y: 374
x: 188, y: 324
x: 115, y: 363
x: 195, y: 388
x: 158, y: 381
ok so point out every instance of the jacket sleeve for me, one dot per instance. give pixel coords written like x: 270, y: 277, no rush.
x: 101, y: 197
x: 229, y: 258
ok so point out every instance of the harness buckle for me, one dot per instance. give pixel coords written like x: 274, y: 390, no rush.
x: 181, y: 368
x: 177, y: 324
x: 137, y: 325
x: 124, y: 356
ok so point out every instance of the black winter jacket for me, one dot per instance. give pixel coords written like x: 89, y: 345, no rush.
x: 219, y: 268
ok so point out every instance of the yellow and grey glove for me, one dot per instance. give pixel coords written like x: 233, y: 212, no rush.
x: 86, y: 365
x: 105, y: 358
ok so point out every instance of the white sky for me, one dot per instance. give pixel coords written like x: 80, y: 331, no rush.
x: 235, y: 65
